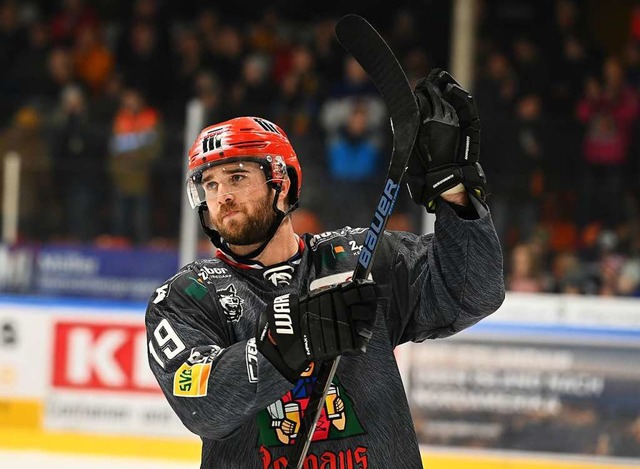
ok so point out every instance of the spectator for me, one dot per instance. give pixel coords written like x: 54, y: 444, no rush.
x: 632, y: 63
x: 416, y: 65
x: 353, y: 164
x: 300, y: 96
x: 225, y: 50
x: 300, y: 92
x: 93, y: 60
x: 25, y: 137
x: 354, y: 119
x: 78, y: 158
x: 30, y: 69
x: 328, y: 53
x: 144, y: 66
x: 610, y: 270
x: 628, y: 283
x: 496, y: 91
x: 105, y: 106
x: 74, y: 17
x: 61, y: 75
x: 12, y: 46
x: 403, y: 36
x: 265, y: 34
x: 135, y: 143
x: 355, y: 82
x: 529, y: 66
x: 516, y: 197
x: 571, y: 65
x: 525, y: 275
x: 188, y: 61
x: 566, y: 273
x: 608, y: 112
x: 208, y: 91
x: 13, y: 36
x: 150, y: 12
x: 354, y: 89
x: 255, y: 94
x: 207, y: 24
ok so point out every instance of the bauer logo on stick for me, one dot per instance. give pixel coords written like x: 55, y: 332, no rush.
x: 384, y: 208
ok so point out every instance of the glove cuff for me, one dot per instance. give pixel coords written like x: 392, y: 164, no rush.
x: 268, y: 348
x: 426, y: 188
x: 454, y: 190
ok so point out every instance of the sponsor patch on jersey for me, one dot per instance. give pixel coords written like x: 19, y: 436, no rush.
x: 191, y: 380
x: 231, y: 303
x: 196, y: 289
x: 206, y: 274
x: 332, y: 254
x: 279, y: 424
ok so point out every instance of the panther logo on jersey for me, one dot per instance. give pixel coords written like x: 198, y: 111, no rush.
x: 231, y: 303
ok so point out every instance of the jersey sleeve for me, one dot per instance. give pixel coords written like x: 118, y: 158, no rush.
x: 213, y: 383
x: 446, y: 281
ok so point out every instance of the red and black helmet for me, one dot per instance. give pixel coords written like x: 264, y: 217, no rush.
x: 244, y: 139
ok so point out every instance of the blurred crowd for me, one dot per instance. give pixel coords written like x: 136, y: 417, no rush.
x: 93, y: 98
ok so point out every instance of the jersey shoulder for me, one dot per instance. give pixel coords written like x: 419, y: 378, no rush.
x: 192, y: 284
x: 352, y: 239
x: 345, y: 234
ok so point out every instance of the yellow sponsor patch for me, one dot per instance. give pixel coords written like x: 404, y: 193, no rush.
x: 191, y: 380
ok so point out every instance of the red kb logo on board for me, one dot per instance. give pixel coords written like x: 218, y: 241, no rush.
x: 101, y: 356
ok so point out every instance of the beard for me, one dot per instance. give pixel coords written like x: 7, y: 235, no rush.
x: 254, y: 229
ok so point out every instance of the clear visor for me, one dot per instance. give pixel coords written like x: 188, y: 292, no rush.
x: 227, y: 179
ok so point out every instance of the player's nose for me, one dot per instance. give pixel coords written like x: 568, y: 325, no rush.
x: 224, y: 197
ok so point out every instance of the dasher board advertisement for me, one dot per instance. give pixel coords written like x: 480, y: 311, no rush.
x: 79, y: 366
x: 101, y: 381
x: 549, y: 389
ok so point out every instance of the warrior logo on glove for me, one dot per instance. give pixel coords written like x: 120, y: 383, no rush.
x: 295, y: 331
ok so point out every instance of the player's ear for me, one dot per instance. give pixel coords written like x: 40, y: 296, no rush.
x: 285, y: 187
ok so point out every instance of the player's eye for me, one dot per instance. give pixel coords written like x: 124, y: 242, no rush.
x: 237, y: 178
x: 210, y: 186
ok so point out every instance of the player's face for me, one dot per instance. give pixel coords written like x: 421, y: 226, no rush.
x: 239, y: 201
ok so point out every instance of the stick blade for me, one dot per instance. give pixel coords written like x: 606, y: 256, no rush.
x: 371, y: 51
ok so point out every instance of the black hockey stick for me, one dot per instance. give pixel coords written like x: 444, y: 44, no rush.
x: 374, y: 55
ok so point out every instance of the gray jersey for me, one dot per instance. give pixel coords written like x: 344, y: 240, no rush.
x: 201, y: 326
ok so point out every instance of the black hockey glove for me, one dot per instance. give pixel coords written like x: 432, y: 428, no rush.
x: 447, y: 148
x: 295, y: 331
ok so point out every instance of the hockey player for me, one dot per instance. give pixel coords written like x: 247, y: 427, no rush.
x: 234, y: 341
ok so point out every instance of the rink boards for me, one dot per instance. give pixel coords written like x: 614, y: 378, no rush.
x: 74, y: 379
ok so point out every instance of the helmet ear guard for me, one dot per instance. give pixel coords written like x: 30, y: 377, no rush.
x: 293, y: 195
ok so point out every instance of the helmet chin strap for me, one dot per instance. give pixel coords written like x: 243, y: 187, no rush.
x: 219, y: 242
